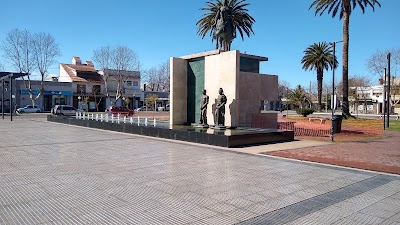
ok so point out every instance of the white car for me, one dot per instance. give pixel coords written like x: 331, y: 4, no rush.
x: 65, y: 110
x: 163, y: 108
x: 29, y: 109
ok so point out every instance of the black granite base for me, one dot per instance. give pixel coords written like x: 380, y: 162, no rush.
x: 223, y: 138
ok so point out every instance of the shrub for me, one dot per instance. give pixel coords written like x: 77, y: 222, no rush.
x: 304, y: 111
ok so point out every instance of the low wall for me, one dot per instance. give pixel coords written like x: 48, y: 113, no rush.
x: 189, y: 134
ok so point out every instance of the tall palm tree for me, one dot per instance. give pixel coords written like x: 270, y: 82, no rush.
x: 241, y: 20
x: 319, y: 57
x: 344, y: 8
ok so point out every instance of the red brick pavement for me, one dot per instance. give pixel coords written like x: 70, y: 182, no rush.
x: 378, y: 155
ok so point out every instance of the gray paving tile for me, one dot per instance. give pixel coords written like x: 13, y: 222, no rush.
x: 71, y: 175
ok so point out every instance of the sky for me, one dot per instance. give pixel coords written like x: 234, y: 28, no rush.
x: 157, y: 30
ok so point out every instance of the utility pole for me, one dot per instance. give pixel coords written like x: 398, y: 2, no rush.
x: 326, y: 104
x: 388, y: 92
x: 384, y: 102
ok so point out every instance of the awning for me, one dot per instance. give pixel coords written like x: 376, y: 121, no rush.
x: 36, y: 92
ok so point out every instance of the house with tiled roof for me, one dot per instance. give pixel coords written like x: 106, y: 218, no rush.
x: 87, y: 87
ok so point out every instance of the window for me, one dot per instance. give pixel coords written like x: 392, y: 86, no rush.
x: 135, y: 83
x: 96, y: 89
x: 81, y: 88
x: 128, y: 83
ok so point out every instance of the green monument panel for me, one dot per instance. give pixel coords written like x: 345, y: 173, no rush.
x: 195, y: 86
x: 249, y: 65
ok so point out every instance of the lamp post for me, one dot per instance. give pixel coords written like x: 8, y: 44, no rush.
x: 333, y: 86
x: 388, y: 92
x: 2, y: 98
x: 59, y: 98
x: 384, y: 101
x: 287, y: 103
x: 134, y: 102
x: 11, y: 97
x: 123, y: 101
x: 79, y: 102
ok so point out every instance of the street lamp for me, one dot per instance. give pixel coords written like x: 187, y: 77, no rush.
x: 79, y: 102
x: 134, y: 101
x: 388, y: 108
x: 333, y: 85
x: 59, y: 97
x: 123, y: 101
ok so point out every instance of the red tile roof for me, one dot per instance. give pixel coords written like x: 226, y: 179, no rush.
x: 81, y: 73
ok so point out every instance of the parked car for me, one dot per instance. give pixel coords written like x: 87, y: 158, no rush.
x: 29, y: 109
x: 65, y: 110
x: 163, y: 108
x: 143, y: 108
x: 119, y: 110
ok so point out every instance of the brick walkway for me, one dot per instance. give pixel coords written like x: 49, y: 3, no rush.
x: 58, y: 174
x: 380, y: 155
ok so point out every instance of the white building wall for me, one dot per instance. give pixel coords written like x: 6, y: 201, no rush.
x: 64, y: 77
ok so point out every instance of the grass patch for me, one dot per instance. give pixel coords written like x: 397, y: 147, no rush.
x: 374, y: 124
x: 394, y: 125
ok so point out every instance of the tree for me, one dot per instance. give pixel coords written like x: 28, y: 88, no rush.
x: 45, y: 50
x: 241, y: 20
x: 157, y: 78
x: 283, y: 93
x: 283, y: 88
x: 319, y: 57
x: 344, y: 7
x: 376, y: 64
x: 96, y: 90
x: 297, y: 97
x: 378, y: 61
x: 116, y: 63
x: 151, y: 100
x: 27, y: 52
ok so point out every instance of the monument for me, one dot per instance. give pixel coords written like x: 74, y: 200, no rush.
x: 237, y: 73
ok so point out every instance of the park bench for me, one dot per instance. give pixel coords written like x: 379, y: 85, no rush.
x: 311, y: 119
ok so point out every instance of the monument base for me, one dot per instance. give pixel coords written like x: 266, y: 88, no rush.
x: 224, y: 138
x: 218, y: 127
x: 200, y: 125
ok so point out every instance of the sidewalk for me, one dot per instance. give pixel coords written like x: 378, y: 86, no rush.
x: 58, y: 174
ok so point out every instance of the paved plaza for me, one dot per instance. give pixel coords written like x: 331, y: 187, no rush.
x: 52, y: 173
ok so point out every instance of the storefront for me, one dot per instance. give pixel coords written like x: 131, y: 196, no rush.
x: 48, y: 100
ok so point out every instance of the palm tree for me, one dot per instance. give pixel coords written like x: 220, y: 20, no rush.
x: 241, y: 20
x: 344, y: 8
x: 297, y: 97
x: 319, y: 57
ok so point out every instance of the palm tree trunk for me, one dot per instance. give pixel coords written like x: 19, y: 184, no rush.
x: 345, y: 58
x: 320, y: 75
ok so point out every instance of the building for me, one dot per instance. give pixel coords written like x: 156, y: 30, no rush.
x: 87, y: 85
x: 55, y: 93
x: 130, y: 80
x: 370, y: 99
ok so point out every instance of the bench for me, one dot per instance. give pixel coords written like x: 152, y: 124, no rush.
x: 311, y: 119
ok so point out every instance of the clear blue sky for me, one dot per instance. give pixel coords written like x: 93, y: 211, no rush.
x: 157, y: 30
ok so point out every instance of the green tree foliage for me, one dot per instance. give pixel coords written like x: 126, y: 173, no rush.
x: 297, y: 97
x: 151, y: 100
x: 344, y: 8
x: 319, y: 57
